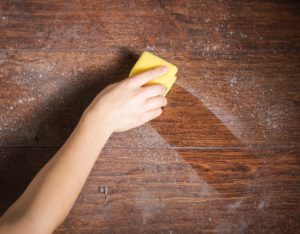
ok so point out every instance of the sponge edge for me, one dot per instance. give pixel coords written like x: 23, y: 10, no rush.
x: 149, y: 61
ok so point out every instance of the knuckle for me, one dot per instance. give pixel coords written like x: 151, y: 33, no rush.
x: 161, y: 89
x: 159, y: 112
x: 157, y: 89
x: 130, y: 81
x: 150, y: 72
x: 138, y: 92
x: 163, y: 101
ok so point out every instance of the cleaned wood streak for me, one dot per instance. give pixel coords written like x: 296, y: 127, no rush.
x: 223, y: 157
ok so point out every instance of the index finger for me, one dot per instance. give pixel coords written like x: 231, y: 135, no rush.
x: 145, y: 77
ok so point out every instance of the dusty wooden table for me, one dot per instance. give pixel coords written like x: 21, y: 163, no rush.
x: 224, y: 156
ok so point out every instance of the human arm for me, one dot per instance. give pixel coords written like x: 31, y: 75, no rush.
x: 51, y: 194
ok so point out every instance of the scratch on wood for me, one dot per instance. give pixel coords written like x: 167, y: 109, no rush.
x: 104, y: 190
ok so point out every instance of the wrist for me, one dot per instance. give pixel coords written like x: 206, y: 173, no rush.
x: 96, y: 121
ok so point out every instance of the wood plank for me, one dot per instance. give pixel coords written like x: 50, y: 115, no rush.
x: 223, y: 100
x: 109, y: 25
x: 159, y: 189
x: 236, y: 25
x: 256, y: 96
x: 56, y: 25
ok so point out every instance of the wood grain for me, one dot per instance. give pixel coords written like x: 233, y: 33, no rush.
x: 223, y: 157
x: 219, y: 100
x: 154, y: 190
x: 227, y: 25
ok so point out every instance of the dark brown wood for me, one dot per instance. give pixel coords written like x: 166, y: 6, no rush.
x: 224, y: 156
x: 162, y: 25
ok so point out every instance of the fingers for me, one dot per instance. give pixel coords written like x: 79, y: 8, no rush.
x: 152, y: 114
x: 152, y: 91
x: 155, y: 102
x: 145, y: 77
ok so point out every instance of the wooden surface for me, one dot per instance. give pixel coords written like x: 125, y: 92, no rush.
x: 224, y: 156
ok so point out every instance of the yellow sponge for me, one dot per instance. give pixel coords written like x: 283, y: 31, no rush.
x: 148, y: 61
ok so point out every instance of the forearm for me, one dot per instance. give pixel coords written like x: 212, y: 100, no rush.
x: 50, y: 196
x: 52, y: 193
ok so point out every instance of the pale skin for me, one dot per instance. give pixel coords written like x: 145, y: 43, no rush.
x: 51, y: 194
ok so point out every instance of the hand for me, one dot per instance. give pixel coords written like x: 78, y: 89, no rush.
x: 128, y: 104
